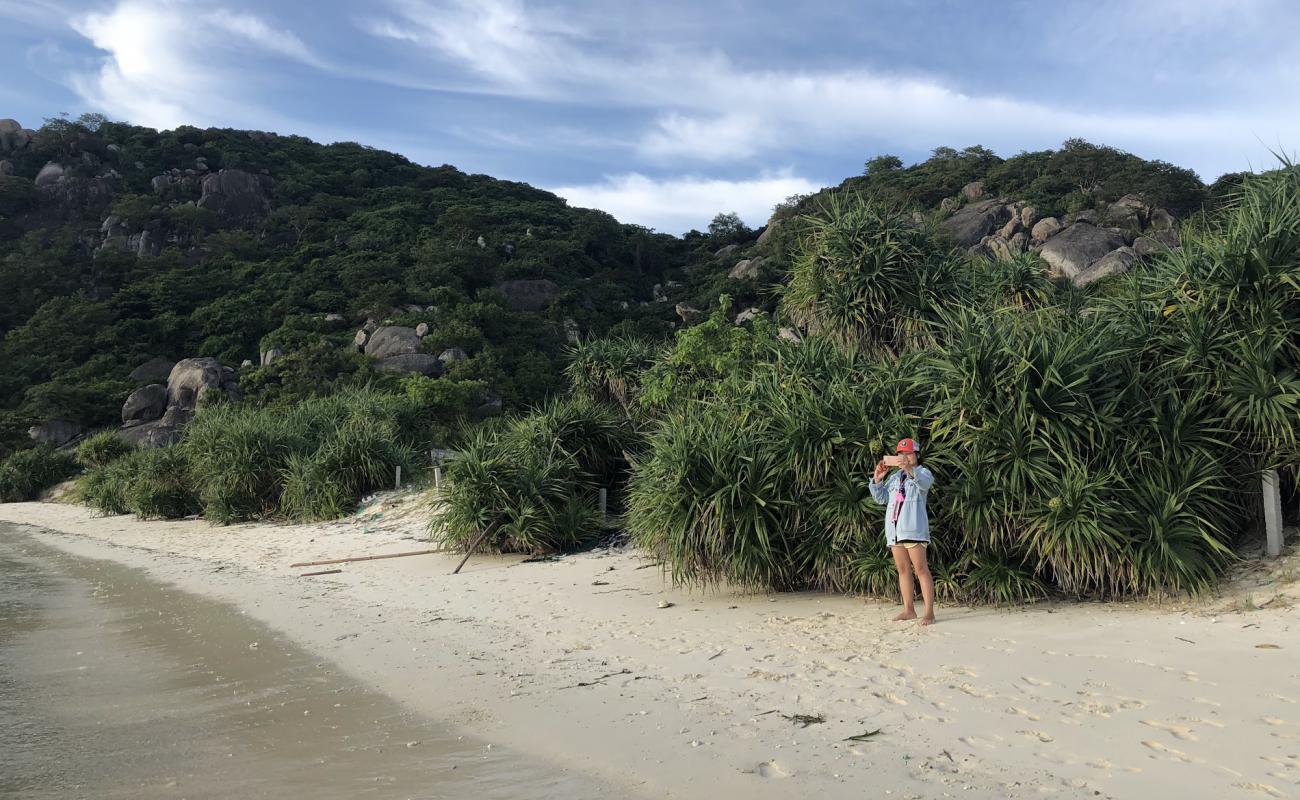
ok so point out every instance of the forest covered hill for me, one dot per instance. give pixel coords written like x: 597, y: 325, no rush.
x: 122, y: 246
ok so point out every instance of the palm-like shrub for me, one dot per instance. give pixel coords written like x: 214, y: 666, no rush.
x: 534, y: 480
x: 151, y: 483
x: 101, y: 449
x: 27, y: 473
x: 609, y: 370
x: 866, y: 275
x: 358, y: 457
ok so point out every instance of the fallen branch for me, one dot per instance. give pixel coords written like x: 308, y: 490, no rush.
x: 322, y: 572
x: 366, y: 558
x: 865, y: 735
x: 474, y: 546
x: 804, y: 720
x: 601, y: 679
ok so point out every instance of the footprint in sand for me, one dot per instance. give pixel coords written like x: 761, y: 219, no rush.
x: 770, y: 769
x: 1205, y: 701
x: 1024, y: 713
x: 1177, y: 731
x: 1160, y: 748
x: 1274, y: 720
x: 975, y: 741
x: 1032, y: 681
x: 891, y: 698
x: 1262, y: 788
x: 1284, y: 698
x: 1039, y: 735
x: 973, y: 691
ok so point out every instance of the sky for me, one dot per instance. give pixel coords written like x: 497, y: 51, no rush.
x: 666, y: 113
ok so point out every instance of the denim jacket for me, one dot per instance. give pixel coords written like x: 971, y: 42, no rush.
x: 913, y: 521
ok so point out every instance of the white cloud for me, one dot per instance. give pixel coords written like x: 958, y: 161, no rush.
x: 678, y: 204
x: 169, y: 63
x: 708, y: 109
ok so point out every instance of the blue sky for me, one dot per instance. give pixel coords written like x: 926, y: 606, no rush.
x: 666, y: 113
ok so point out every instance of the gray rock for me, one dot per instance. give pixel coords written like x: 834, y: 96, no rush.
x: 789, y: 334
x: 572, y: 333
x: 6, y: 168
x: 688, y: 314
x: 491, y: 408
x: 237, y: 198
x: 1127, y: 212
x: 452, y: 354
x: 13, y: 136
x: 412, y: 363
x: 50, y: 173
x: 482, y: 243
x: 1012, y: 227
x: 973, y: 190
x: 528, y: 295
x: 155, y: 370
x: 56, y: 432
x: 1088, y: 215
x: 147, y: 243
x: 270, y: 356
x: 772, y: 227
x: 1113, y: 263
x: 245, y: 364
x: 1029, y: 216
x: 158, y: 433
x: 145, y: 404
x: 161, y: 183
x: 1156, y: 241
x: 1045, y: 229
x: 1019, y: 243
x: 394, y: 340
x: 193, y: 380
x: 749, y: 315
x: 975, y: 221
x: 333, y: 317
x: 1004, y: 249
x: 1074, y: 250
x: 359, y: 341
x: 725, y: 251
x: 422, y: 330
x: 949, y: 204
x: 1162, y: 220
x: 745, y: 269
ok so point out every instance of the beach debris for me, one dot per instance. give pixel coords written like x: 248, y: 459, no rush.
x: 599, y: 680
x: 804, y: 720
x: 867, y: 735
x: 320, y: 572
x: 715, y: 655
x: 1181, y: 639
x: 1268, y: 647
x: 252, y: 646
x: 600, y: 583
x: 665, y: 604
x: 486, y: 532
x: 350, y: 559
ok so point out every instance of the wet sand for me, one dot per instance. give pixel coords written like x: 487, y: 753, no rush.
x: 113, y: 685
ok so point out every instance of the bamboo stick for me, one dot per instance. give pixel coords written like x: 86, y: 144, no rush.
x: 365, y: 558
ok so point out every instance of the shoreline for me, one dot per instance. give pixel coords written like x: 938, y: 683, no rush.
x: 572, y: 661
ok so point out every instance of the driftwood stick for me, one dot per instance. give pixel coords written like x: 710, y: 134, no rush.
x: 364, y: 558
x: 322, y: 572
x: 474, y: 546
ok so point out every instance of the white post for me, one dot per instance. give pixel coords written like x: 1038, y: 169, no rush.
x: 437, y: 477
x: 1272, y: 515
x: 603, y: 517
x: 398, y: 479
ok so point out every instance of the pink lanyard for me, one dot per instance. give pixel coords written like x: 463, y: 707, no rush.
x: 899, y: 497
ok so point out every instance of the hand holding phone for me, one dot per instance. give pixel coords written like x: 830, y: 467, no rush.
x: 892, y: 461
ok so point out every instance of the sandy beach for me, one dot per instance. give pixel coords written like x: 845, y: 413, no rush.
x: 574, y: 662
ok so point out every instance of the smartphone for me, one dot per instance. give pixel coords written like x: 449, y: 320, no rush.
x: 893, y: 461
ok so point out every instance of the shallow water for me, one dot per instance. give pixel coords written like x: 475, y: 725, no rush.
x: 113, y: 685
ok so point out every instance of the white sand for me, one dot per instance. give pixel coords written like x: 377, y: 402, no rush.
x: 573, y: 661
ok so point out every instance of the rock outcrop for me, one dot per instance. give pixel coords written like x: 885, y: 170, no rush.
x: 237, y: 198
x: 155, y: 370
x: 745, y: 269
x: 418, y: 363
x: 970, y: 224
x: 145, y: 404
x: 394, y: 340
x: 1074, y: 250
x: 57, y: 432
x: 13, y: 136
x: 192, y: 381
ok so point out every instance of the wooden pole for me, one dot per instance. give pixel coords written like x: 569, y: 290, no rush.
x: 437, y: 477
x: 1272, y: 514
x: 322, y: 572
x: 398, y: 480
x: 474, y: 546
x: 365, y: 558
x: 604, y: 518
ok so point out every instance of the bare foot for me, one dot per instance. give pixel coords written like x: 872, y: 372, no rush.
x: 905, y: 616
x: 928, y: 619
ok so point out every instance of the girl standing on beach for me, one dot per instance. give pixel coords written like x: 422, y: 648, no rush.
x: 907, y: 524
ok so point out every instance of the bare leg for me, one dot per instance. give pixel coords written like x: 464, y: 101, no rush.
x: 905, y: 586
x: 921, y: 567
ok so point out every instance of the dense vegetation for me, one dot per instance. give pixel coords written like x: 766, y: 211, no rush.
x: 1098, y: 442
x: 1101, y: 441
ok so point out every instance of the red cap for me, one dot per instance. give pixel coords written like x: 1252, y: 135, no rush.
x: 908, y: 446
